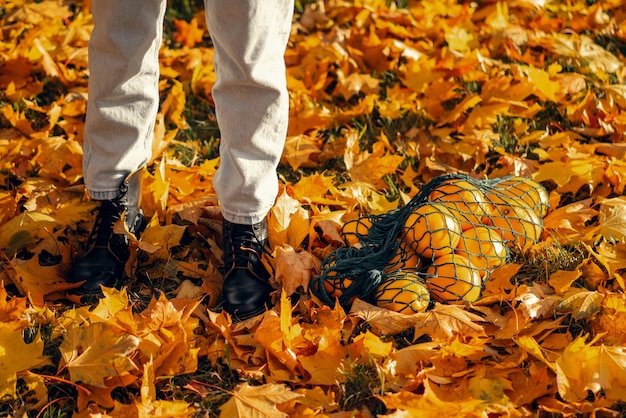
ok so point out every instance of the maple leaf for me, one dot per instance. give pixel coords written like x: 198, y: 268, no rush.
x: 96, y: 352
x: 613, y: 219
x: 580, y: 303
x: 288, y: 222
x: 586, y: 367
x: 35, y: 280
x: 293, y: 269
x: 570, y: 221
x: 12, y: 310
x: 257, y: 401
x: 300, y: 151
x: 383, y: 321
x: 149, y: 405
x: 17, y: 356
x: 447, y: 321
x: 188, y: 33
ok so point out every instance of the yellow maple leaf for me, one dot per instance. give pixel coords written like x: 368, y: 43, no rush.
x: 613, y: 218
x: 585, y: 367
x: 257, y: 401
x: 287, y: 222
x: 95, y: 352
x: 37, y: 281
x: 17, y: 356
x: 149, y: 406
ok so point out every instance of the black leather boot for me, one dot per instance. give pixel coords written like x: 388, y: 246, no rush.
x: 246, y: 290
x: 103, y: 262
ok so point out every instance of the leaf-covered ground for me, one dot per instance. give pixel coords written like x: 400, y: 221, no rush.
x: 385, y: 96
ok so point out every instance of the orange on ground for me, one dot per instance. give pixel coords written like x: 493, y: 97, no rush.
x: 403, y: 291
x: 484, y: 247
x: 452, y: 278
x: 432, y: 230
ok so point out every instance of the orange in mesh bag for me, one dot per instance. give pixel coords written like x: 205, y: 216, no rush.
x: 453, y: 278
x: 403, y: 291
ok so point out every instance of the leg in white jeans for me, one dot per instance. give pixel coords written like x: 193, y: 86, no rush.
x: 123, y: 91
x: 251, y: 102
x: 250, y: 95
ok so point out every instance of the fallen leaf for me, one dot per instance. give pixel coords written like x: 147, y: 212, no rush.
x: 293, y: 269
x: 17, y: 356
x: 257, y: 401
x: 96, y: 352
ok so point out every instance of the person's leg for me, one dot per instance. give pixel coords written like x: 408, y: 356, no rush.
x: 251, y: 100
x: 123, y: 91
x: 122, y: 105
x: 252, y: 108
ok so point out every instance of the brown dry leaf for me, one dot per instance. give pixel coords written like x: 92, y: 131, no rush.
x: 561, y: 280
x: 281, y: 339
x: 581, y: 303
x: 293, y: 269
x: 326, y: 366
x: 12, y: 310
x: 158, y: 240
x: 314, y: 189
x: 536, y: 302
x: 570, y: 176
x: 257, y: 401
x: 375, y: 167
x: 383, y: 321
x: 499, y: 287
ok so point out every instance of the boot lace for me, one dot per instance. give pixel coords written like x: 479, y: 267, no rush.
x: 244, y: 246
x: 109, y: 213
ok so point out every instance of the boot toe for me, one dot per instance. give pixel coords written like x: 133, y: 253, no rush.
x: 96, y: 271
x: 245, y: 296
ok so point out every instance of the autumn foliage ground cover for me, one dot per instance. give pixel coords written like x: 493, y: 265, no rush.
x: 385, y: 96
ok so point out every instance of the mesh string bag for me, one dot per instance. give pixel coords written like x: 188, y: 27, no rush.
x: 449, y: 236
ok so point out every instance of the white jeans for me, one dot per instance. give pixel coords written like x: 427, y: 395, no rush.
x: 250, y: 94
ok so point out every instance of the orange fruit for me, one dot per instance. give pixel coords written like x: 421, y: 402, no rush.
x: 463, y: 199
x: 356, y: 230
x: 530, y: 191
x: 453, y: 278
x: 432, y: 230
x: 335, y: 287
x: 404, y: 258
x: 518, y: 224
x: 403, y: 291
x: 484, y: 247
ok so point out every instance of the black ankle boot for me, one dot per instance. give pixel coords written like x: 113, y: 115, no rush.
x: 107, y: 252
x: 246, y: 290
